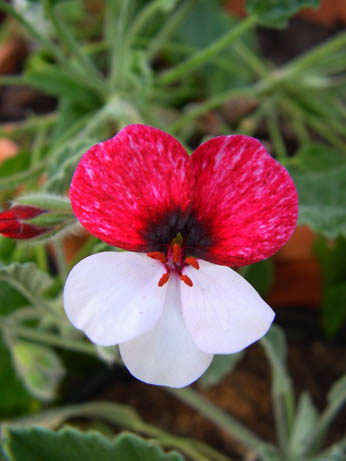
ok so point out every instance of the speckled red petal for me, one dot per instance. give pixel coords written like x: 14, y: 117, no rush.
x: 135, y: 189
x: 244, y: 200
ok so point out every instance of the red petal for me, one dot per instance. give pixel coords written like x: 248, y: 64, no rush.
x: 20, y: 231
x: 134, y: 190
x: 20, y: 212
x: 245, y: 201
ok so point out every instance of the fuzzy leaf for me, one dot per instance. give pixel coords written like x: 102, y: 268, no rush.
x: 322, y: 199
x: 304, y: 424
x: 276, y: 13
x: 61, y: 172
x: 26, y: 278
x: 14, y: 397
x: 332, y: 257
x: 220, y: 367
x: 337, y: 394
x: 261, y: 276
x: 39, y: 367
x: 68, y: 444
x: 317, y: 157
x: 274, y: 344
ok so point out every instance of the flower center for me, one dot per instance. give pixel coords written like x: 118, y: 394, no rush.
x: 174, y: 261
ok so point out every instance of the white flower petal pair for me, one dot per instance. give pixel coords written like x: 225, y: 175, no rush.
x: 167, y: 335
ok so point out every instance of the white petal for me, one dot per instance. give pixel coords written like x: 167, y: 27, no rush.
x: 167, y: 354
x: 222, y: 311
x: 114, y: 296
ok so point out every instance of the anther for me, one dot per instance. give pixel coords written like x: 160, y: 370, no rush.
x: 163, y: 279
x: 157, y: 255
x: 186, y: 280
x: 176, y: 253
x: 192, y: 262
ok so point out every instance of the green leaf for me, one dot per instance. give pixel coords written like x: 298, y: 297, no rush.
x: 304, y: 424
x: 39, y: 367
x: 38, y: 444
x: 220, y: 367
x: 26, y: 278
x: 317, y: 157
x: 276, y: 13
x: 61, y: 172
x: 14, y: 397
x: 13, y: 165
x: 268, y: 453
x: 261, y: 276
x: 322, y: 199
x: 337, y: 393
x: 55, y: 81
x: 332, y: 257
x: 274, y: 344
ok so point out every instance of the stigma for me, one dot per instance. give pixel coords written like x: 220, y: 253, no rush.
x: 174, y: 261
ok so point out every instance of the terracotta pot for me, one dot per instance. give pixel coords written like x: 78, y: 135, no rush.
x: 329, y: 13
x: 298, y: 273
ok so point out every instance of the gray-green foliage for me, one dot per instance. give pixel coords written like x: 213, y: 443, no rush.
x: 322, y: 198
x: 26, y: 278
x: 38, y: 444
x: 332, y: 257
x: 39, y: 367
x: 276, y: 13
x: 220, y: 367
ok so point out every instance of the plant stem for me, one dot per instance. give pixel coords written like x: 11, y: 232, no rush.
x: 217, y: 101
x: 19, y: 178
x: 7, y: 8
x: 48, y: 338
x: 314, y: 56
x: 274, y: 132
x: 169, y: 27
x: 141, y: 19
x: 71, y: 44
x: 254, y: 62
x: 41, y: 258
x: 207, y: 53
x: 60, y: 260
x: 116, y: 33
x: 217, y: 416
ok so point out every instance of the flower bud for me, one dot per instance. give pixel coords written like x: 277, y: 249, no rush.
x: 15, y: 222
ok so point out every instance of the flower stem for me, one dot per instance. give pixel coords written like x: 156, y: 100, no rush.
x: 207, y: 53
x: 217, y: 416
x: 48, y: 338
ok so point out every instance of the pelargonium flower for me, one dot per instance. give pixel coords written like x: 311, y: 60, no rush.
x: 172, y: 301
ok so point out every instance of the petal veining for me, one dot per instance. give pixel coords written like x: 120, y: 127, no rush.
x: 166, y: 355
x: 134, y: 190
x: 114, y: 297
x: 222, y: 311
x: 245, y: 205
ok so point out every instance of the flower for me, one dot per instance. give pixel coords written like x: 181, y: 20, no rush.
x: 172, y: 302
x: 15, y: 222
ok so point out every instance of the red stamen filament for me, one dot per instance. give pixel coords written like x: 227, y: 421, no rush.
x: 192, y: 262
x: 186, y: 280
x: 176, y: 253
x: 163, y: 279
x: 157, y: 255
